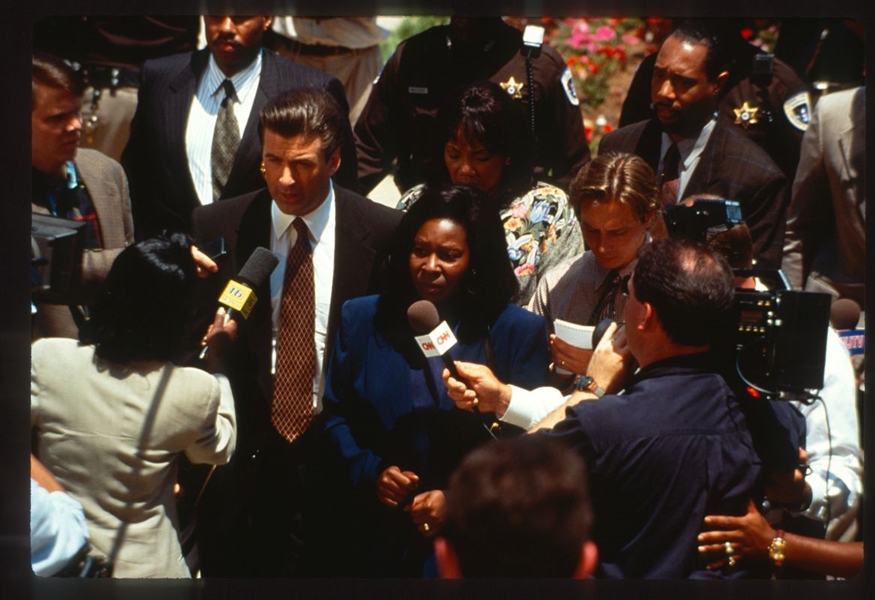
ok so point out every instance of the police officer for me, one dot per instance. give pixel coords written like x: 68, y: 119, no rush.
x: 765, y: 98
x: 399, y: 119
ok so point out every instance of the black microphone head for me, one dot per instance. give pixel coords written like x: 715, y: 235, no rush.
x: 258, y: 268
x: 423, y: 317
x: 844, y: 314
x: 599, y: 332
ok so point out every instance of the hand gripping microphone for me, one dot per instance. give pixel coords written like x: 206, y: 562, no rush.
x: 239, y: 297
x: 435, y: 338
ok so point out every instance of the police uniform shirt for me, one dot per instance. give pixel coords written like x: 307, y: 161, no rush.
x: 426, y: 69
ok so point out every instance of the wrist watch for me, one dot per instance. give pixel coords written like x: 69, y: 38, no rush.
x: 585, y: 383
x: 776, y: 549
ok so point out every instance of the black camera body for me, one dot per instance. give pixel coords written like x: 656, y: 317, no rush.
x: 778, y: 341
x: 57, y: 246
x: 693, y: 222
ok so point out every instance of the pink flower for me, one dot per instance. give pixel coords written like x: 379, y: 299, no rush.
x: 631, y: 39
x: 519, y: 210
x: 576, y: 39
x: 605, y: 33
x: 525, y: 269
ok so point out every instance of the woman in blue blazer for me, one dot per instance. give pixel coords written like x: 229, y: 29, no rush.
x: 387, y: 415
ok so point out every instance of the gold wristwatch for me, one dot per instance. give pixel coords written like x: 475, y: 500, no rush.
x: 776, y: 549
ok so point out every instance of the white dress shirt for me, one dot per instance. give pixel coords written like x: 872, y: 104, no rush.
x: 321, y: 224
x: 202, y: 119
x: 691, y: 151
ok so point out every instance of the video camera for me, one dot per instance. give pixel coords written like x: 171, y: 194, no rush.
x: 779, y: 337
x: 56, y: 259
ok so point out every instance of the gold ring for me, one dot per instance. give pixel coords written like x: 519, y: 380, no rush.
x: 729, y: 550
x: 732, y: 561
x: 425, y: 527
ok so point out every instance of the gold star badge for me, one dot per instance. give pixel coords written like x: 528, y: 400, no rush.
x: 746, y: 115
x: 513, y: 88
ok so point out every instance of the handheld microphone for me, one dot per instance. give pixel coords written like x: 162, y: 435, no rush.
x: 239, y: 295
x: 435, y: 338
x: 599, y: 332
x: 844, y: 314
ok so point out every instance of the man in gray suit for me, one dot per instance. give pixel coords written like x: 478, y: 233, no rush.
x: 169, y: 155
x: 83, y: 185
x: 709, y: 156
x: 825, y: 247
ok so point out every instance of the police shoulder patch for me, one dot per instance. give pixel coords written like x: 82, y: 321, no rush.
x: 798, y: 110
x: 568, y: 86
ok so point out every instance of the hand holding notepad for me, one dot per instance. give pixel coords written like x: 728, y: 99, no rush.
x: 579, y: 336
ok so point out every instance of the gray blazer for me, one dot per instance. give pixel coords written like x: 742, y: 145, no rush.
x: 825, y: 245
x: 113, y: 434
x: 107, y: 187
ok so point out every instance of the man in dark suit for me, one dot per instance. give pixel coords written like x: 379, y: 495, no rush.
x: 709, y: 156
x: 252, y: 523
x: 168, y: 156
x: 764, y: 98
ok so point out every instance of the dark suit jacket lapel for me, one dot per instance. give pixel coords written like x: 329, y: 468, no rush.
x: 353, y: 259
x: 650, y: 143
x: 708, y: 170
x: 255, y: 231
x: 182, y: 92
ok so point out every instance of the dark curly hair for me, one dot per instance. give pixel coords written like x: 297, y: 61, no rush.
x: 490, y: 283
x: 144, y: 307
x: 487, y: 114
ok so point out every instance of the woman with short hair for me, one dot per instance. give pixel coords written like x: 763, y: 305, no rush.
x: 112, y: 414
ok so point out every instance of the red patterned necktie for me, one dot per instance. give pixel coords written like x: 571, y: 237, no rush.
x: 292, y: 407
x: 670, y: 178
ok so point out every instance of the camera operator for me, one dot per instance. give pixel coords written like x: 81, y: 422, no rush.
x: 823, y: 502
x: 83, y: 186
x: 673, y: 443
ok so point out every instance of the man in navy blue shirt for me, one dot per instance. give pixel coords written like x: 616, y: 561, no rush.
x: 673, y: 444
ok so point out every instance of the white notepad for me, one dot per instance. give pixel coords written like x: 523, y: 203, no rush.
x: 579, y: 336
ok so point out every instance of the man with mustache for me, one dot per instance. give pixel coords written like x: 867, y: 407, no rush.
x: 693, y: 150
x: 171, y: 157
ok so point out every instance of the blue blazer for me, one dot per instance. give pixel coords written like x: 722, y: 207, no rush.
x: 379, y: 410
